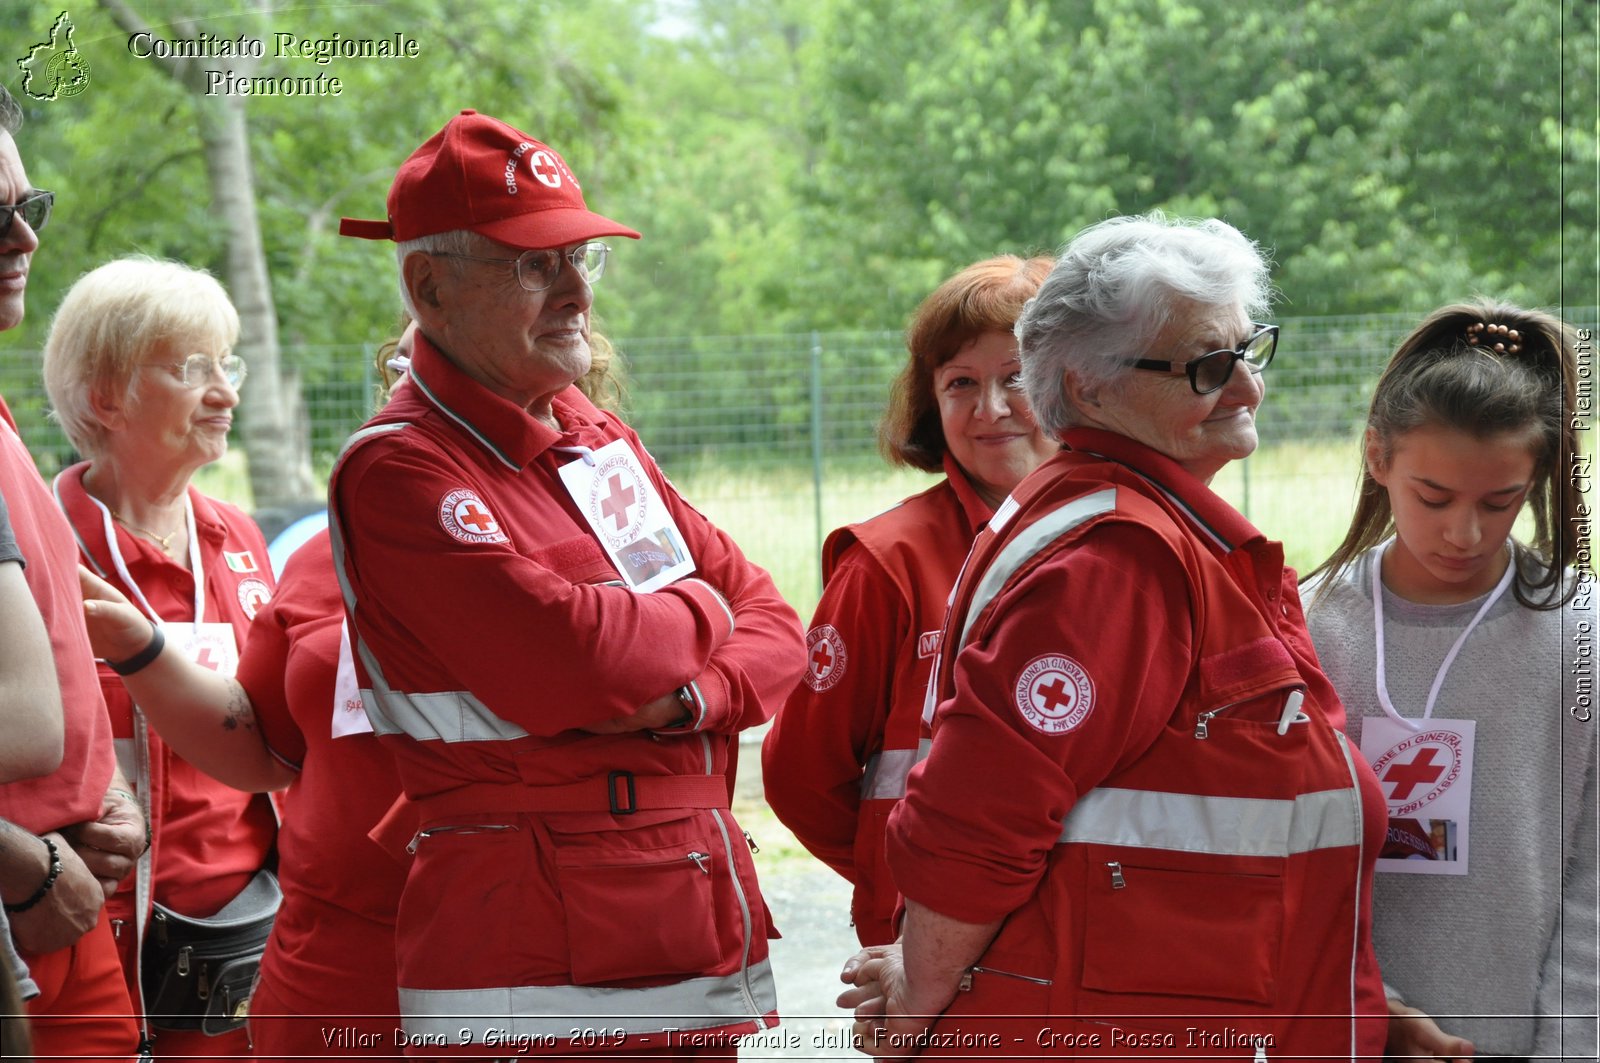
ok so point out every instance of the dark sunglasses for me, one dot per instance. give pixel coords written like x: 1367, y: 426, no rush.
x: 1210, y: 372
x: 35, y: 210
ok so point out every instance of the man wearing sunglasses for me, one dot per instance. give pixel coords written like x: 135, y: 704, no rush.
x: 68, y: 837
x: 564, y: 718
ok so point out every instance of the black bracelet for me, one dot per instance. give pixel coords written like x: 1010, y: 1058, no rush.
x: 157, y: 643
x: 49, y: 881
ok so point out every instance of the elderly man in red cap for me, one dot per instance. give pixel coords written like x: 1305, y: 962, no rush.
x: 564, y: 722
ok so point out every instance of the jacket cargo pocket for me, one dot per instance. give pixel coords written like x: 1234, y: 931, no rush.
x: 639, y: 912
x: 1143, y: 909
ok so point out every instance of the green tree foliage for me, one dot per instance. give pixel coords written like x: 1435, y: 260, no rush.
x: 821, y: 164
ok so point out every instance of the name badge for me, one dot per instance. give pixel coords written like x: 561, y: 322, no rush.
x: 1426, y: 775
x: 628, y: 517
x: 349, y: 714
x: 211, y: 645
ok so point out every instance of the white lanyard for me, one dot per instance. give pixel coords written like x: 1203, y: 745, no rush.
x: 122, y: 567
x: 1449, y: 658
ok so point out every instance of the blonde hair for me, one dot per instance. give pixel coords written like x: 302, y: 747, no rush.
x: 112, y: 320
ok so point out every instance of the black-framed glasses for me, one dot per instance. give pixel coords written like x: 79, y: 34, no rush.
x: 537, y: 270
x: 1211, y: 371
x: 35, y: 210
x: 196, y: 370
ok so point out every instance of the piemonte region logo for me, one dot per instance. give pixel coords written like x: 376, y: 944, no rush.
x: 55, y: 68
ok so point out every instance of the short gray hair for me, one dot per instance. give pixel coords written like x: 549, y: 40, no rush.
x: 1113, y: 290
x: 449, y: 242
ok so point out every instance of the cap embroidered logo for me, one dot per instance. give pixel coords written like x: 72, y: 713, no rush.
x: 542, y: 166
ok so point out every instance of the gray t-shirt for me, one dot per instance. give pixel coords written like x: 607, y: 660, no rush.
x: 8, y: 952
x: 1496, y: 954
x: 8, y: 538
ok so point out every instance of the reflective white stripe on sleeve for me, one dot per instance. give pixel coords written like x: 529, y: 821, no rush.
x: 885, y: 775
x: 1030, y: 541
x: 1225, y: 826
x: 553, y: 1011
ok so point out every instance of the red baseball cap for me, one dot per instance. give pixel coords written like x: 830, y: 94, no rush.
x: 480, y: 174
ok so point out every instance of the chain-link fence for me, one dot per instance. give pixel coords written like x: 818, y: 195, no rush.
x: 775, y: 436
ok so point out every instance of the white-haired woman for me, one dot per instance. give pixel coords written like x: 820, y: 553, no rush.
x: 1139, y: 831
x: 140, y: 372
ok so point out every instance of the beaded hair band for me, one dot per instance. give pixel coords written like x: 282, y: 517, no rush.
x: 1499, y: 338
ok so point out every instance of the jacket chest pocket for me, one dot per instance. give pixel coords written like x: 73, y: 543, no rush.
x: 1183, y: 924
x: 639, y: 912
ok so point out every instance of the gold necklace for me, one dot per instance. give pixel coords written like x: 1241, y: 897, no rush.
x: 162, y: 541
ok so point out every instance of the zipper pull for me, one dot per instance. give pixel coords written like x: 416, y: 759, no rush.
x: 1261, y: 1052
x: 701, y: 860
x: 204, y: 988
x: 751, y: 842
x: 1201, y: 728
x: 184, y: 956
x: 116, y: 928
x: 1117, y: 881
x: 965, y: 985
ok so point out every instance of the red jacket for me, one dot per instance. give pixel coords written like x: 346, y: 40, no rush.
x: 836, y: 759
x: 1138, y: 764
x: 482, y: 652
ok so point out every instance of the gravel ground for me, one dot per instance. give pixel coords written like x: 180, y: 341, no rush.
x: 811, y: 907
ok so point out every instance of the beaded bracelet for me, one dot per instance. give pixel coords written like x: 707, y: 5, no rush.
x: 49, y: 881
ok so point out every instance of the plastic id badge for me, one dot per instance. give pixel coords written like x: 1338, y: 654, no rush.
x: 211, y: 645
x: 349, y: 714
x: 633, y: 524
x: 1426, y: 775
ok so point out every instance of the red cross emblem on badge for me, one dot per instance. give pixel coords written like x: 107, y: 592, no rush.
x: 543, y: 167
x: 207, y: 658
x: 1421, y: 771
x: 615, y: 505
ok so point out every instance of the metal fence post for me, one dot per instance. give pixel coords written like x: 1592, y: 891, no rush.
x: 816, y: 444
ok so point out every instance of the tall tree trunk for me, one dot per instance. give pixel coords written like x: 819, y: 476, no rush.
x: 280, y: 468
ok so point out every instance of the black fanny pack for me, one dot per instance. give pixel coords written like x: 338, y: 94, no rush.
x: 198, y: 973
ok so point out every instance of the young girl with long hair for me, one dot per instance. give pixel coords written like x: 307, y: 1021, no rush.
x: 1460, y: 654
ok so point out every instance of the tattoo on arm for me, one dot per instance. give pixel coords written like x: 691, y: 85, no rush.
x: 240, y: 713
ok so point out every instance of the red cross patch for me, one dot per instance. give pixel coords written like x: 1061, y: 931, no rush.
x: 825, y: 657
x: 253, y: 594
x: 1054, y: 694
x: 463, y: 514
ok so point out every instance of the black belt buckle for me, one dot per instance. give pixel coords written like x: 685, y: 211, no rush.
x: 631, y: 804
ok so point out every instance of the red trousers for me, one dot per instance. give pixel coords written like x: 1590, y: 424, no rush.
x: 82, y: 1009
